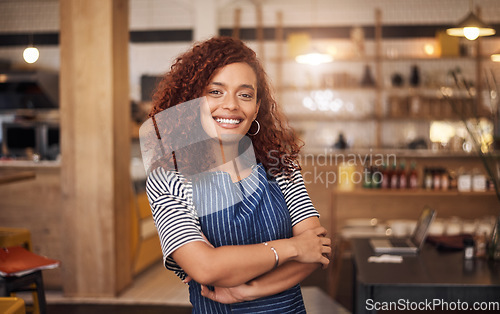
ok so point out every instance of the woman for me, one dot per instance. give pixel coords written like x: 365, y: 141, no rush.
x: 245, y: 255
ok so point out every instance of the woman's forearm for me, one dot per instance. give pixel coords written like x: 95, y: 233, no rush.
x: 234, y: 265
x: 287, y: 275
x: 273, y: 282
x: 229, y: 266
x: 278, y: 280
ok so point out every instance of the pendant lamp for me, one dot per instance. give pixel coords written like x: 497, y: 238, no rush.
x: 313, y: 56
x: 471, y: 27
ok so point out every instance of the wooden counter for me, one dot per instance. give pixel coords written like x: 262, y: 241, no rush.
x: 9, y: 176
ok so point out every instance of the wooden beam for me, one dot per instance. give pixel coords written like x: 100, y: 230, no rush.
x: 237, y: 23
x: 479, y: 70
x: 379, y: 78
x: 260, y: 30
x: 279, y: 56
x: 95, y: 142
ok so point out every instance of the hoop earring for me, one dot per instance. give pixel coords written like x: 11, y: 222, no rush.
x: 258, y: 128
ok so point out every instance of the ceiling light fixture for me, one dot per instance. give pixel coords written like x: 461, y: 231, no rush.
x: 313, y: 56
x: 31, y: 53
x: 471, y: 27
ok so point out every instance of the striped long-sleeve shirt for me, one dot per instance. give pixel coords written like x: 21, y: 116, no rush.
x: 253, y: 210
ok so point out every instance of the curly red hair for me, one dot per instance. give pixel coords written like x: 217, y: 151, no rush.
x: 276, y: 145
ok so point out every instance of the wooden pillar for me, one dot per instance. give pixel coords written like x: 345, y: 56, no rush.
x: 260, y: 30
x: 379, y: 78
x: 280, y: 43
x: 237, y: 23
x: 95, y: 142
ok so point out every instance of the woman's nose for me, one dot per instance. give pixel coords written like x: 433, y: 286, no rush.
x: 230, y: 103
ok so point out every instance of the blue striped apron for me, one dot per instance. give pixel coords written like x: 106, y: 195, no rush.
x: 228, y: 219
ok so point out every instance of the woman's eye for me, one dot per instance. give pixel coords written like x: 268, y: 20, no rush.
x: 248, y: 96
x: 215, y: 92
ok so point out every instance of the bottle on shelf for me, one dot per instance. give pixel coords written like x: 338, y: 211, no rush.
x: 413, y: 177
x: 386, y: 178
x: 402, y: 175
x: 367, y: 80
x: 445, y: 180
x: 453, y: 180
x: 367, y: 177
x: 468, y: 247
x: 427, y: 179
x: 415, y: 76
x: 480, y: 244
x: 376, y: 178
x: 436, y: 178
x: 394, y: 177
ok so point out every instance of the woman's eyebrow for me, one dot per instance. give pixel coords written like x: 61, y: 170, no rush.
x: 217, y: 83
x: 249, y: 86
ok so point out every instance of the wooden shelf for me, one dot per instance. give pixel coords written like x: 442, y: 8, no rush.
x: 338, y: 59
x: 404, y: 90
x: 402, y: 58
x: 399, y: 152
x: 20, y: 163
x: 434, y: 58
x: 408, y: 192
x: 330, y: 116
x: 422, y: 91
x: 319, y: 88
x: 326, y: 116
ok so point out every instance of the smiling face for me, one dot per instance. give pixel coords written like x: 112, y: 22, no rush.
x: 231, y: 95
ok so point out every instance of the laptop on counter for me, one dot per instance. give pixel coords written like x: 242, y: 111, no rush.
x: 407, y: 245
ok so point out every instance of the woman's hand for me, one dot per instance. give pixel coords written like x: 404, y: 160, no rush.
x: 227, y: 295
x: 313, y: 247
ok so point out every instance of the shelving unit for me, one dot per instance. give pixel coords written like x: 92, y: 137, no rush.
x: 319, y: 168
x: 388, y: 104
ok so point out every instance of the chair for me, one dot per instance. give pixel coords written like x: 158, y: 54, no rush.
x: 15, y: 236
x: 30, y: 282
x: 12, y: 305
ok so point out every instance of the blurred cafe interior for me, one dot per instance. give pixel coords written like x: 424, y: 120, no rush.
x: 396, y: 102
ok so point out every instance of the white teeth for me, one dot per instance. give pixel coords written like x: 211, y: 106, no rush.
x: 227, y: 121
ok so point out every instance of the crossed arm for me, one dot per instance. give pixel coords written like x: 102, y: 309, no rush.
x: 242, y: 273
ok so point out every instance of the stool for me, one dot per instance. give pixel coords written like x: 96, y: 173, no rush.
x: 12, y: 306
x: 9, y: 285
x: 22, y: 236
